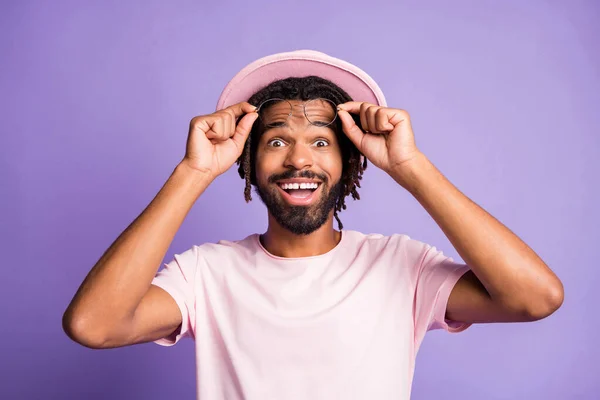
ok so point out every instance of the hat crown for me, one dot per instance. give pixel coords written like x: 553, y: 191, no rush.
x: 258, y: 74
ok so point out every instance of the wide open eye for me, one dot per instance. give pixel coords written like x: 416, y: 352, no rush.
x: 275, y: 143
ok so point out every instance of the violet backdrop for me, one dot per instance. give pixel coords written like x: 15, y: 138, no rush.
x: 95, y: 102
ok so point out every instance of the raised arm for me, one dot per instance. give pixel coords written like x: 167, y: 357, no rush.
x: 508, y: 281
x: 116, y: 305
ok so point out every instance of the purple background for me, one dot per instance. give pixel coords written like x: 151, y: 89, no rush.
x: 95, y: 102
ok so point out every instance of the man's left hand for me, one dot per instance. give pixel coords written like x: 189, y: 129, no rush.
x: 386, y: 137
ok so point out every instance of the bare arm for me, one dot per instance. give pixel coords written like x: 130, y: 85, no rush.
x: 103, y: 312
x: 508, y: 281
x: 116, y: 305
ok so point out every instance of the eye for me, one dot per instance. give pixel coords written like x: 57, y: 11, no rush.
x: 321, y: 143
x: 275, y: 143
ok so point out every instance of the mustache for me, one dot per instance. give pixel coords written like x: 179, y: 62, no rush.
x: 290, y: 174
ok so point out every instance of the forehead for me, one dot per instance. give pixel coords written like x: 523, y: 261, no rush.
x: 296, y: 126
x: 297, y: 107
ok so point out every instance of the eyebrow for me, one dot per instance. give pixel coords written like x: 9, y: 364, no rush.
x: 276, y: 125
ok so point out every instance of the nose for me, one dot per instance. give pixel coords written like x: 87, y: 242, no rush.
x: 299, y: 157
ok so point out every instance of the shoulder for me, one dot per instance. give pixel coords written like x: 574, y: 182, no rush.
x: 396, y: 244
x: 378, y: 240
x: 224, y: 248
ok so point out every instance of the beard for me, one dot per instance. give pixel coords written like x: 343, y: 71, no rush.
x: 300, y: 220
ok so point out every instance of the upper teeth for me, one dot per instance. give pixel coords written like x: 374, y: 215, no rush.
x: 299, y: 185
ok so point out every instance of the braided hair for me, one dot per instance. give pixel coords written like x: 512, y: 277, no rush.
x: 303, y: 89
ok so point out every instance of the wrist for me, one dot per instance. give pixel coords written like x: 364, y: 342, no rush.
x: 412, y: 174
x: 194, y: 175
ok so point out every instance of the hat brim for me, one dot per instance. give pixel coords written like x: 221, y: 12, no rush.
x: 357, y: 83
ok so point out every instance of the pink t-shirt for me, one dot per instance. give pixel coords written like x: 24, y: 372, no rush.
x: 346, y: 324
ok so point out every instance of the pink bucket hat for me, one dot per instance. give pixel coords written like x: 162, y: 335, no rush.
x: 258, y: 74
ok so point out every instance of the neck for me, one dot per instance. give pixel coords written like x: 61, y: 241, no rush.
x: 282, y: 243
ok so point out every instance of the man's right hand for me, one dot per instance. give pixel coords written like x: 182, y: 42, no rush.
x: 215, y: 142
x: 117, y: 305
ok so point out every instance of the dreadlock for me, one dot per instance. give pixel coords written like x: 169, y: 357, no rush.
x: 303, y: 89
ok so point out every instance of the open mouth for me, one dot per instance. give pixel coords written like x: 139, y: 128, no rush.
x: 299, y: 190
x: 299, y: 193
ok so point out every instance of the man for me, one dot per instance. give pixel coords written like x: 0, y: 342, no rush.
x: 305, y: 311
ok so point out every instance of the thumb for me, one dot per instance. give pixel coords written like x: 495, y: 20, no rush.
x: 243, y: 128
x: 350, y: 128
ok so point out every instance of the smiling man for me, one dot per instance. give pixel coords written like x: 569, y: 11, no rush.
x: 301, y: 189
x: 304, y: 310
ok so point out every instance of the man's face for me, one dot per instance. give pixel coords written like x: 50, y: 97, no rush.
x: 298, y: 166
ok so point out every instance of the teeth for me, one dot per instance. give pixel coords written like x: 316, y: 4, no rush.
x: 291, y: 186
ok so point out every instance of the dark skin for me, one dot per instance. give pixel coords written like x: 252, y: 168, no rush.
x: 298, y: 145
x: 117, y: 305
x: 508, y: 281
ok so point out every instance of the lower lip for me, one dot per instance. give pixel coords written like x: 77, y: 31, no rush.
x: 297, y: 201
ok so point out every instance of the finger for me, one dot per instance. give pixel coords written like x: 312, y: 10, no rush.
x: 382, y: 120
x: 227, y: 122
x: 230, y: 123
x: 370, y: 116
x: 351, y: 129
x: 243, y: 130
x: 363, y: 117
x: 240, y: 109
x: 216, y: 129
x: 353, y: 107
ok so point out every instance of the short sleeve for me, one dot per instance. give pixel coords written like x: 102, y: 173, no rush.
x: 178, y: 278
x: 436, y: 276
